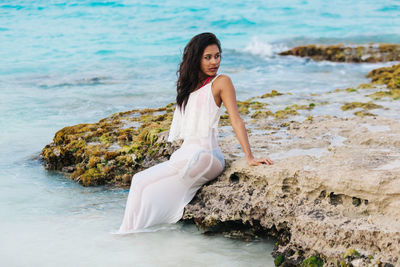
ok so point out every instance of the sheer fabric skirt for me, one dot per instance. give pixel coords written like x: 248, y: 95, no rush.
x: 159, y: 194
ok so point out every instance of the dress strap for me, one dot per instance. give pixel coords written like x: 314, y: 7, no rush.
x: 216, y: 76
x: 206, y: 81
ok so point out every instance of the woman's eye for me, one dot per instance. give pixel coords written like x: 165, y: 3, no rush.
x: 208, y: 57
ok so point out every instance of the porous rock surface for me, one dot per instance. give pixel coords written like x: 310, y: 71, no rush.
x: 341, y: 191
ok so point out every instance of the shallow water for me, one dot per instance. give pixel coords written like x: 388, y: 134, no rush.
x: 69, y: 62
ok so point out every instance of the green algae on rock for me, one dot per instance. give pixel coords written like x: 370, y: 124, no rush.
x: 351, y: 252
x: 279, y: 260
x: 243, y: 107
x: 393, y: 94
x: 354, y: 105
x: 347, y: 53
x: 261, y: 114
x: 313, y: 261
x: 107, y: 151
x: 257, y: 105
x: 350, y: 255
x: 364, y: 106
x: 224, y: 120
x: 272, y: 94
x: 386, y: 80
x: 285, y: 113
x: 292, y: 110
x: 363, y: 113
x: 390, y: 76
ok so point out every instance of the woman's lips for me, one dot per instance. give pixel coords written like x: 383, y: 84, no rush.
x: 213, y: 69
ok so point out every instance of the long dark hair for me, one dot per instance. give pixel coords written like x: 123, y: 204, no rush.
x: 189, y: 69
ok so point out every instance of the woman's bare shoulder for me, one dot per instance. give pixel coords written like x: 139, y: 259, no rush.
x: 222, y: 81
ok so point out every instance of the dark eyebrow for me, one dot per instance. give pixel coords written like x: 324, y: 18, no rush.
x: 218, y: 53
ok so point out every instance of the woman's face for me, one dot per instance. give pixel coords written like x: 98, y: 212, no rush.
x: 210, y: 60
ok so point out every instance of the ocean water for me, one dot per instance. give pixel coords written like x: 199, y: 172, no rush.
x: 69, y: 62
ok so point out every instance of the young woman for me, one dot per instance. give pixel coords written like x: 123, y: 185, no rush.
x: 159, y: 194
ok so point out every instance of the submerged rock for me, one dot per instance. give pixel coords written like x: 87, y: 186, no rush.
x: 347, y: 53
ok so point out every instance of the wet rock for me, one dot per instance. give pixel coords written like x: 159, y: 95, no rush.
x: 347, y: 53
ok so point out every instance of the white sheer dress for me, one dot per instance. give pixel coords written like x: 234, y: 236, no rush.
x: 159, y: 194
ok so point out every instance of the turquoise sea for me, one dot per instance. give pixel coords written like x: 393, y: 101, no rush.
x: 69, y: 62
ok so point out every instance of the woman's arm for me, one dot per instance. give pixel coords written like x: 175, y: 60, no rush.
x: 226, y: 92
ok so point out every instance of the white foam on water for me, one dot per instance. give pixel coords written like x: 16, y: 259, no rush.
x: 263, y: 49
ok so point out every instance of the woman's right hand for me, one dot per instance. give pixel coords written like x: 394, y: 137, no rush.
x: 255, y: 162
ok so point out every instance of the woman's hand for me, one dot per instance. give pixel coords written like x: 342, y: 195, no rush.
x: 255, y: 162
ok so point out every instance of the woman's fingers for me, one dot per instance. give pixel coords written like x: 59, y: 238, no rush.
x: 257, y: 162
x: 269, y: 161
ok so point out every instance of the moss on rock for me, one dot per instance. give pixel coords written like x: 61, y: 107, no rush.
x: 261, y: 114
x: 347, y: 53
x: 390, y: 76
x: 243, y: 107
x: 285, y: 113
x: 366, y: 106
x: 351, y: 252
x: 393, y: 94
x: 106, y: 151
x: 363, y: 113
x: 272, y: 94
x: 313, y: 261
x: 279, y: 260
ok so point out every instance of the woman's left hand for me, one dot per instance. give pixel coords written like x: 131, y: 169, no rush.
x: 255, y: 162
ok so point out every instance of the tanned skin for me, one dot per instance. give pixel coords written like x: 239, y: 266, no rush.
x: 224, y: 92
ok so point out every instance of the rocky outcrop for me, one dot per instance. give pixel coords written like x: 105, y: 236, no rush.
x: 347, y: 53
x: 110, y: 151
x: 332, y: 197
x: 336, y: 187
x: 388, y: 76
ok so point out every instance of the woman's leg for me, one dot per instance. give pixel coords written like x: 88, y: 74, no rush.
x: 205, y: 168
x: 159, y: 194
x: 140, y: 211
